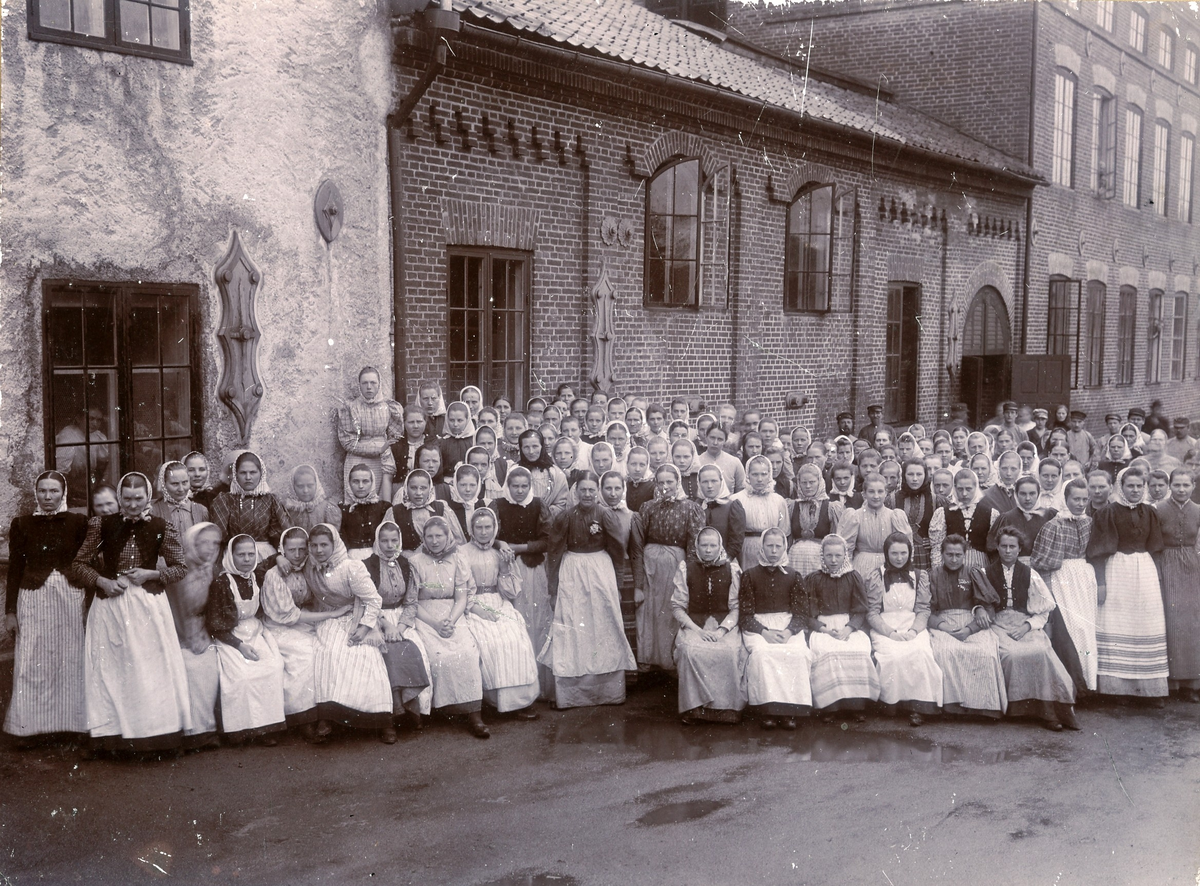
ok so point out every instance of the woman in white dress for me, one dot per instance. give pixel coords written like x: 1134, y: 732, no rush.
x: 709, y: 654
x: 506, y: 655
x: 444, y: 588
x: 352, y: 684
x: 289, y: 618
x: 898, y: 614
x: 249, y: 661
x: 136, y: 689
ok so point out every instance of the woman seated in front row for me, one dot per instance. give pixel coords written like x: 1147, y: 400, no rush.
x: 709, y: 654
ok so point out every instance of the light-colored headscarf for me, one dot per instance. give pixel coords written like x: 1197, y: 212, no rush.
x: 680, y: 492
x: 1118, y: 494
x: 191, y: 544
x: 161, y: 488
x: 722, y: 557
x: 518, y: 471
x: 684, y: 441
x: 383, y: 558
x: 372, y: 495
x: 227, y: 564
x: 402, y: 497
x: 58, y: 478
x: 462, y: 399
x: 597, y: 447
x: 485, y: 545
x: 847, y: 566
x: 145, y: 515
x: 770, y: 487
x: 643, y: 451
x: 317, y: 573
x: 723, y: 493
x: 469, y: 430
x: 621, y: 505
x: 762, y: 550
x: 294, y: 504
x: 283, y: 537
x: 261, y: 489
x: 815, y: 472
x: 207, y: 466
x: 451, y: 541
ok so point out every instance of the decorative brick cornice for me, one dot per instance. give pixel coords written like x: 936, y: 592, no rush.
x: 470, y: 223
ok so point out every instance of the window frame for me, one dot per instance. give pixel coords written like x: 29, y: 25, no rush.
x: 1165, y: 56
x: 488, y: 255
x: 1060, y: 332
x: 1187, y: 176
x: 1091, y: 334
x: 693, y: 303
x: 1191, y: 63
x: 1154, y: 337
x: 1137, y: 30
x: 1179, y: 322
x: 1126, y: 333
x: 1104, y: 144
x: 122, y: 295
x: 1104, y: 15
x: 1062, y: 164
x: 1131, y: 177
x: 1160, y: 175
x: 111, y: 41
x: 800, y: 306
x: 902, y: 351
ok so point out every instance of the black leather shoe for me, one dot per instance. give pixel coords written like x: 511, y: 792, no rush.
x: 768, y: 724
x: 788, y: 723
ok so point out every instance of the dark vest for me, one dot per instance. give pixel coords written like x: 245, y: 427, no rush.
x: 822, y: 529
x: 1020, y: 589
x: 977, y: 537
x: 410, y: 539
x: 115, y: 532
x: 708, y: 591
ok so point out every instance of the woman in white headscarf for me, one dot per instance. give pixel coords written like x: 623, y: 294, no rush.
x: 130, y: 629
x: 367, y: 426
x: 44, y: 614
x: 306, y: 504
x: 764, y: 507
x: 250, y: 507
x: 249, y: 661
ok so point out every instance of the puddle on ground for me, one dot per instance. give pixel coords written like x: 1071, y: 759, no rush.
x: 539, y: 878
x: 676, y: 813
x: 663, y: 738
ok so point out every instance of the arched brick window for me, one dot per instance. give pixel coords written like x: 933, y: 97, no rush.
x: 672, y: 271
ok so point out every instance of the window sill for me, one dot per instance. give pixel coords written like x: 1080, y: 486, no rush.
x: 162, y: 55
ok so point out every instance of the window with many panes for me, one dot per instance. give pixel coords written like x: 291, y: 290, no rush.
x: 1166, y: 48
x: 1191, y: 64
x: 1091, y: 360
x: 122, y: 388
x: 488, y: 322
x: 672, y: 276
x: 1187, y: 159
x: 1126, y: 324
x: 1133, y: 157
x: 1060, y: 332
x: 1063, y: 171
x: 155, y: 28
x: 1137, y: 30
x: 1162, y: 139
x: 808, y: 253
x: 1104, y: 144
x: 1154, y: 337
x: 900, y: 351
x: 1104, y: 14
x: 1178, y: 335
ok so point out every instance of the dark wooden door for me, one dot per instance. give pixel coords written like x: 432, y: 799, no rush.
x: 1041, y: 380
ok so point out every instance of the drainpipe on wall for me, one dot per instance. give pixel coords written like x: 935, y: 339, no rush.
x: 442, y: 24
x: 1029, y: 199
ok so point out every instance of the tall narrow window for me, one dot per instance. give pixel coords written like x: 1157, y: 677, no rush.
x: 1137, y: 30
x: 1154, y: 338
x: 1133, y: 157
x: 1187, y: 159
x: 1104, y: 144
x: 487, y: 322
x: 673, y: 235
x: 1060, y: 333
x: 122, y: 380
x: 900, y: 351
x: 155, y: 28
x: 1178, y: 335
x: 1091, y: 362
x: 808, y: 254
x: 1126, y: 322
x: 1191, y: 64
x: 1162, y: 139
x: 1166, y: 48
x: 1104, y: 14
x: 1064, y: 128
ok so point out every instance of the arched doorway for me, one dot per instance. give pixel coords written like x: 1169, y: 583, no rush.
x: 987, y: 355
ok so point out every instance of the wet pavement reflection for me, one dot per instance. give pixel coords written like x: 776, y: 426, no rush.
x: 676, y: 813
x: 659, y: 737
x: 540, y: 878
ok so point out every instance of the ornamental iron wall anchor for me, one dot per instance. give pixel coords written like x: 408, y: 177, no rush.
x: 328, y: 210
x: 603, y: 300
x: 239, y: 387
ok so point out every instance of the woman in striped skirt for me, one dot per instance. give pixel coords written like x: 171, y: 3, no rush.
x: 506, y: 655
x: 44, y: 612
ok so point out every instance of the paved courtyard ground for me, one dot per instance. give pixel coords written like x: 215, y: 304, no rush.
x: 628, y: 795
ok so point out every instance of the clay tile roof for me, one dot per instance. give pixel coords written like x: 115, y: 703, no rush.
x: 621, y: 29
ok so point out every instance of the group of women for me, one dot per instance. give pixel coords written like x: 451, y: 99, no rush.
x: 482, y: 556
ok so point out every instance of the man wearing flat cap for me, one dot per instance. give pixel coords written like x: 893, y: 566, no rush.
x: 1080, y: 442
x: 845, y: 425
x: 1039, y: 434
x: 875, y: 417
x: 1112, y: 424
x: 1137, y: 418
x: 1181, y: 442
